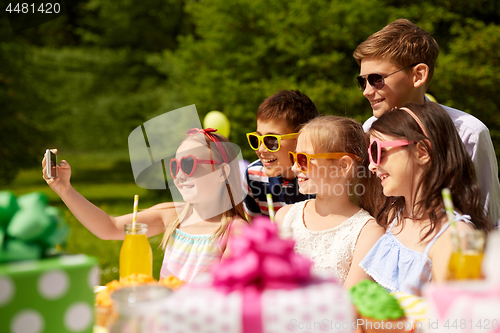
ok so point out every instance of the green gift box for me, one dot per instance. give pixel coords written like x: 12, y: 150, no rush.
x: 53, y: 295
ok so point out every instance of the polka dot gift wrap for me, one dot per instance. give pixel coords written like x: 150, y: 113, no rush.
x: 318, y: 307
x: 49, y: 295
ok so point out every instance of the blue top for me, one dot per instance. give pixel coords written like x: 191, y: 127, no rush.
x: 258, y: 184
x: 398, y: 268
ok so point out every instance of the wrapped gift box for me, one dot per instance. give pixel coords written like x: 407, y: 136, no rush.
x: 263, y: 287
x: 49, y: 295
x: 317, y: 307
x: 463, y: 307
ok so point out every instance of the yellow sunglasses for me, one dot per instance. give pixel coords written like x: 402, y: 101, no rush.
x: 272, y: 142
x: 304, y: 159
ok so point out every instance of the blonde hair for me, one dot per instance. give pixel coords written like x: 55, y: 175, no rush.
x: 330, y: 134
x: 228, y: 199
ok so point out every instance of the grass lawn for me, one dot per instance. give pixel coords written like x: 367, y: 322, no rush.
x: 106, y: 180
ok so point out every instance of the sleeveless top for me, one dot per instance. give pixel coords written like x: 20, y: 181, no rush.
x: 330, y: 250
x: 398, y: 268
x: 187, y: 255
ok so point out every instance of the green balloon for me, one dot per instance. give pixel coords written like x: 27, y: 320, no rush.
x: 219, y: 121
x: 8, y: 207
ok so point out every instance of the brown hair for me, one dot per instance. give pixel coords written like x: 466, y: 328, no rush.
x: 289, y: 106
x: 330, y: 134
x: 401, y: 42
x: 449, y: 166
x: 232, y: 194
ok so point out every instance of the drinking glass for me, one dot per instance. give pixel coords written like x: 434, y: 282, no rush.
x: 467, y: 256
x: 136, y: 255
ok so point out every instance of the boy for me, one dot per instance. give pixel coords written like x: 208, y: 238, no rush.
x: 396, y: 67
x: 279, y: 118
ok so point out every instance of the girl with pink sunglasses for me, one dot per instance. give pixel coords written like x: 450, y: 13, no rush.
x: 416, y: 151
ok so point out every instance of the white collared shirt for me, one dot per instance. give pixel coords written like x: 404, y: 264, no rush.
x: 476, y: 138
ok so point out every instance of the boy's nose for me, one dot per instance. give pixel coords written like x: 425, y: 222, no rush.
x: 369, y: 90
x: 262, y: 147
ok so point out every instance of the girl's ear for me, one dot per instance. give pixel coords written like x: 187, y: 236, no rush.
x: 346, y: 165
x: 225, y: 170
x: 422, y: 155
x: 421, y: 74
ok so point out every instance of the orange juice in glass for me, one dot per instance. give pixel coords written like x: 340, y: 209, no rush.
x: 467, y: 257
x: 136, y: 255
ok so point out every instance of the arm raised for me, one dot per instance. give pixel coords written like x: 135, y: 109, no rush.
x: 95, y: 219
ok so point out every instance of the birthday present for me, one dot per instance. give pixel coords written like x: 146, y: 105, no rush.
x: 472, y: 306
x: 41, y: 291
x: 468, y: 305
x: 263, y: 287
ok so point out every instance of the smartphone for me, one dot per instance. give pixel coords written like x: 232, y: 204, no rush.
x: 51, y: 159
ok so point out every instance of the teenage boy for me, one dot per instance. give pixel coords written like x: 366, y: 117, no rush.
x: 279, y: 119
x: 396, y: 67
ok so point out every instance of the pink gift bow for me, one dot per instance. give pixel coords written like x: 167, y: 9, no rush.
x: 260, y: 260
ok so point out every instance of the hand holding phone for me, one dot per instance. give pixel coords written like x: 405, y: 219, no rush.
x: 51, y: 162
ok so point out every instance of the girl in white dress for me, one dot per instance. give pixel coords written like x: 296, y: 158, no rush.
x: 336, y: 229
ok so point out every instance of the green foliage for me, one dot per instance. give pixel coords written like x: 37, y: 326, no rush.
x: 468, y: 76
x: 86, y: 79
x: 150, y: 26
x: 21, y: 134
x: 243, y: 51
x: 105, y: 67
x: 83, y: 81
x: 101, y: 95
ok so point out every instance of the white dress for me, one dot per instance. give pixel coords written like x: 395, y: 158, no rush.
x: 330, y: 250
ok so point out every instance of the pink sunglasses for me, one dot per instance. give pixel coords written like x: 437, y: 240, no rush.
x: 375, y: 149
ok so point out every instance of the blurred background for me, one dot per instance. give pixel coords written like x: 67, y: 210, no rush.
x: 83, y: 81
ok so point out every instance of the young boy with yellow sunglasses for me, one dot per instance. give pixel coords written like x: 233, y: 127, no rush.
x: 279, y: 119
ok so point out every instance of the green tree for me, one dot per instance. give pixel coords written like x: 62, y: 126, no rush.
x: 21, y: 135
x: 92, y: 67
x: 243, y: 51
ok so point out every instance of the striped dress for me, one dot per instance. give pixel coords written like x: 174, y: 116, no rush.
x: 187, y: 255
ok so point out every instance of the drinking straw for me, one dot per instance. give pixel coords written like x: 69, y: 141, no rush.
x: 136, y: 204
x: 270, y: 206
x: 448, y: 205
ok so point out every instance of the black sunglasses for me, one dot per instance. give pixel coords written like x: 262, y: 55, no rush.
x: 377, y: 80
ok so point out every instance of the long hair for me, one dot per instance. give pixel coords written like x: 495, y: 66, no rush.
x: 232, y: 195
x: 330, y: 134
x: 449, y: 166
